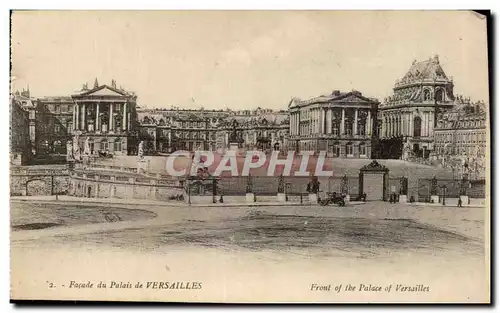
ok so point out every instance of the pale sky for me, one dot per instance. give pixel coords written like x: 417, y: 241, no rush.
x: 242, y: 59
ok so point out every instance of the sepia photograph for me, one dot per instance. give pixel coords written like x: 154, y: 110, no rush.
x: 279, y: 156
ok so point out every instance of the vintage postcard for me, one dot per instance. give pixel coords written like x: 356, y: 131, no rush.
x: 250, y: 156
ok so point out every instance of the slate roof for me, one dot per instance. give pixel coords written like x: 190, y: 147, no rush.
x: 428, y: 69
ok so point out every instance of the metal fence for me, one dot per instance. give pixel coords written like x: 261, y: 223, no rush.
x: 474, y: 188
x: 270, y: 186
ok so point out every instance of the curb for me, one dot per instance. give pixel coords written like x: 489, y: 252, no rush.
x: 177, y: 205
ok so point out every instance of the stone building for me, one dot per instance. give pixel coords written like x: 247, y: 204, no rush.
x: 266, y: 130
x: 341, y: 123
x: 20, y: 146
x: 54, y: 125
x: 167, y: 130
x: 410, y: 113
x: 105, y: 115
x: 460, y: 138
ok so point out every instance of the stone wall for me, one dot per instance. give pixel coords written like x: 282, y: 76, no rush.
x: 28, y: 181
x: 121, y: 187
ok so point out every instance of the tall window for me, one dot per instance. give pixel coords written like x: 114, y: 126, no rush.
x: 118, y: 145
x: 439, y: 95
x: 362, y: 149
x: 427, y: 95
x: 361, y: 128
x: 349, y: 149
x: 417, y: 125
x: 348, y: 127
x: 104, y: 145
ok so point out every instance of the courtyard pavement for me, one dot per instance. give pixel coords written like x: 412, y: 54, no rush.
x: 466, y: 220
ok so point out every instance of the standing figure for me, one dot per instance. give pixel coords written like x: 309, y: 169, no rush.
x: 140, y: 150
x: 86, y: 147
x: 76, y: 149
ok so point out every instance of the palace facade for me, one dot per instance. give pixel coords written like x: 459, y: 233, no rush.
x: 342, y: 123
x: 410, y: 113
x: 460, y: 138
x: 105, y: 116
x: 20, y: 151
x: 167, y: 130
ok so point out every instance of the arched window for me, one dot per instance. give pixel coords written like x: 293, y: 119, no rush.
x: 427, y: 95
x: 417, y: 125
x: 349, y: 149
x: 439, y: 96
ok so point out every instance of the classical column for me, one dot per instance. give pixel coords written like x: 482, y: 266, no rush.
x: 388, y: 128
x: 316, y: 121
x: 411, y: 124
x: 329, y: 121
x: 431, y: 124
x: 400, y: 125
x: 76, y: 126
x: 384, y: 126
x: 83, y: 118
x: 427, y: 124
x: 320, y: 118
x: 110, y: 127
x: 323, y: 121
x: 368, y: 131
x: 124, y: 122
x: 403, y: 124
x: 342, y: 122
x: 393, y: 126
x: 408, y: 132
x: 355, y: 130
x: 97, y: 117
x: 296, y: 125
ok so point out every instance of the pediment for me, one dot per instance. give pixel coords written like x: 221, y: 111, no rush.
x: 353, y: 98
x: 106, y: 91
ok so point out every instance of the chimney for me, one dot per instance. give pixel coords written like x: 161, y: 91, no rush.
x: 113, y: 83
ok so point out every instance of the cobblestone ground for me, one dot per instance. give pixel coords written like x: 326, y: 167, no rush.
x: 237, y: 249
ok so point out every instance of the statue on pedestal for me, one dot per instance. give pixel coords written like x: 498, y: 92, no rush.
x: 281, y: 184
x: 140, y: 150
x: 313, y: 185
x: 249, y: 184
x: 86, y: 147
x: 344, y: 187
x: 234, y: 135
x: 406, y: 150
x: 69, y: 151
x: 464, y: 184
x: 76, y: 149
x: 404, y: 186
x: 434, y: 188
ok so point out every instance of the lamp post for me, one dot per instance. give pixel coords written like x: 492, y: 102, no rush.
x: 443, y: 193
